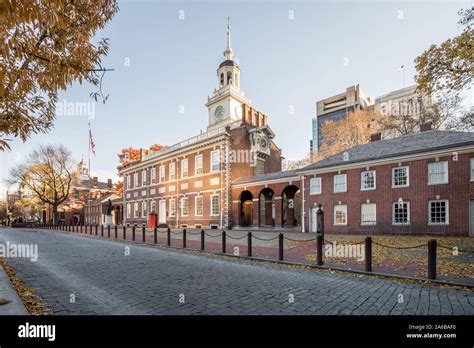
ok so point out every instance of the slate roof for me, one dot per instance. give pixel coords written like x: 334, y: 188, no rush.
x: 268, y: 176
x: 404, y: 145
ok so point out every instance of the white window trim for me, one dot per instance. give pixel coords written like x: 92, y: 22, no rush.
x: 345, y: 183
x: 195, y: 205
x: 162, y: 173
x: 144, y: 209
x: 218, y: 161
x: 129, y: 210
x: 172, y: 203
x: 135, y: 180
x: 182, y: 206
x: 172, y: 164
x: 408, y: 215
x: 472, y: 168
x: 320, y: 186
x: 393, y: 177
x: 152, y: 206
x: 361, y: 180
x: 136, y: 210
x: 153, y: 175
x: 144, y: 177
x: 371, y: 223
x: 334, y: 215
x: 218, y: 207
x: 196, y: 167
x: 447, y: 174
x: 184, y: 160
x: 447, y: 213
x: 129, y: 181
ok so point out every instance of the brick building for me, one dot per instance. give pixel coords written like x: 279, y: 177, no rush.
x: 189, y: 183
x: 96, y: 210
x: 422, y: 183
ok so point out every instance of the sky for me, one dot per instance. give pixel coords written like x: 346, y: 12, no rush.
x: 291, y: 53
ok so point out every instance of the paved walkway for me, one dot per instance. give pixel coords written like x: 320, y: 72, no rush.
x: 10, y: 302
x: 82, y: 275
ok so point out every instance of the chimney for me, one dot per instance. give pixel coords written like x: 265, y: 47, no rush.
x: 109, y: 183
x: 95, y: 181
x: 425, y: 126
x: 375, y: 137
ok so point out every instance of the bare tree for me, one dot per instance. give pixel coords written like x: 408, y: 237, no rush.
x: 47, y: 174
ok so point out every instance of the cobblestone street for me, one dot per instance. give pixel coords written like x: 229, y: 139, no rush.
x: 104, y: 278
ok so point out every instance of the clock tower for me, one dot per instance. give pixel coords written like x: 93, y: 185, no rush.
x: 226, y: 104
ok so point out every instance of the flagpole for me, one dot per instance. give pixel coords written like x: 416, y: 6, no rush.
x: 89, y: 174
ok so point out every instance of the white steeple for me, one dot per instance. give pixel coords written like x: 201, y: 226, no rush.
x: 228, y: 53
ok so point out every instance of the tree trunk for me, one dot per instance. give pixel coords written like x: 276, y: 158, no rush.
x: 55, y: 214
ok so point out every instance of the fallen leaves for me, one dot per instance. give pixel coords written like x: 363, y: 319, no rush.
x: 28, y: 296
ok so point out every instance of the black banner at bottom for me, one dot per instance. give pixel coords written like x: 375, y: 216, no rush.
x: 260, y: 330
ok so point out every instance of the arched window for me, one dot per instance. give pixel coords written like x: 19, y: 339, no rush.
x: 229, y: 78
x: 222, y: 79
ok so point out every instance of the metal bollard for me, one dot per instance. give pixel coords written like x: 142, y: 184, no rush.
x: 101, y: 230
x: 368, y: 254
x: 144, y: 234
x: 249, y: 244
x: 96, y: 230
x: 116, y: 231
x: 202, y: 239
x: 280, y: 247
x: 155, y: 236
x: 108, y: 231
x: 224, y: 249
x: 184, y: 238
x: 133, y: 233
x: 124, y: 232
x: 168, y: 236
x: 319, y: 249
x: 432, y: 244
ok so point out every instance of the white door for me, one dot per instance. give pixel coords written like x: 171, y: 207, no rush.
x: 471, y: 217
x: 313, y: 220
x: 162, y: 212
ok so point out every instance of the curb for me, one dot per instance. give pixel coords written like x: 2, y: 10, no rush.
x: 278, y: 262
x: 15, y: 305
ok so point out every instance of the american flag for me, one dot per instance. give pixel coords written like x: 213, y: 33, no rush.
x: 92, y: 142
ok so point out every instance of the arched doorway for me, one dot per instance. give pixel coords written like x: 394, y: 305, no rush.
x: 267, y: 210
x: 246, y: 206
x: 290, y: 206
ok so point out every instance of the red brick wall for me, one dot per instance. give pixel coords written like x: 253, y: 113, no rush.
x: 458, y: 192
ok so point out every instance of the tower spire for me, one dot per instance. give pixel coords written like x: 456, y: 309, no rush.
x: 228, y: 53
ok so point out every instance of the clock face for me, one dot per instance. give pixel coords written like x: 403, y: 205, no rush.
x: 219, y: 112
x: 263, y: 143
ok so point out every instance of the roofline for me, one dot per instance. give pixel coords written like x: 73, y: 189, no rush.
x: 403, y: 158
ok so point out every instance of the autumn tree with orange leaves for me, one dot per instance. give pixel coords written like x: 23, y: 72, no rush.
x: 347, y: 132
x: 45, y: 47
x: 130, y: 154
